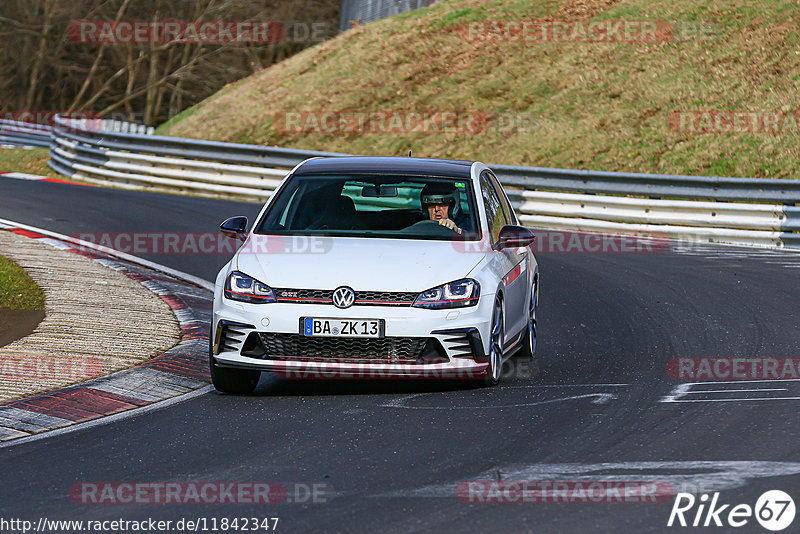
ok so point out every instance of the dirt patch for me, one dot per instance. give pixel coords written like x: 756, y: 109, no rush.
x: 16, y: 324
x: 584, y: 9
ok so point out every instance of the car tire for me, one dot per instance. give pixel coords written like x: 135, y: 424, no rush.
x: 495, y: 355
x: 528, y: 350
x: 227, y: 380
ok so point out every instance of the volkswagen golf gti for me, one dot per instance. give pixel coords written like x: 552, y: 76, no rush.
x: 376, y: 267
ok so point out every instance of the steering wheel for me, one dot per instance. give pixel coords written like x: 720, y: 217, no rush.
x: 431, y: 227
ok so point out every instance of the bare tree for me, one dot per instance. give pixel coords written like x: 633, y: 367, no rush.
x: 51, y: 69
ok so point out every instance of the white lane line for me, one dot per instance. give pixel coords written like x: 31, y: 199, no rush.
x: 110, y: 418
x: 787, y: 259
x: 715, y: 252
x: 734, y: 390
x: 205, y: 284
x: 563, y: 386
x: 736, y: 400
x: 598, y: 398
x: 772, y: 254
x: 694, y: 477
x: 758, y: 381
x: 683, y: 390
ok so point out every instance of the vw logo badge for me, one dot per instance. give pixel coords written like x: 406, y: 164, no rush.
x: 343, y: 297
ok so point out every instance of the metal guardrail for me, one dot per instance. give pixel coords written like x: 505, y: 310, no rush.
x: 652, y: 185
x: 697, y: 221
x: 684, y: 207
x: 24, y: 134
x: 94, y: 153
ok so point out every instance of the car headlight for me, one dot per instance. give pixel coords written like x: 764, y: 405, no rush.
x: 245, y: 288
x: 458, y: 294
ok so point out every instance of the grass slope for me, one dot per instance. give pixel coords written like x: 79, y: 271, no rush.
x: 559, y: 104
x: 30, y: 161
x: 17, y: 290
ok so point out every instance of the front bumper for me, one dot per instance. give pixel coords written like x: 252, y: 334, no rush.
x: 454, y: 370
x: 418, y: 343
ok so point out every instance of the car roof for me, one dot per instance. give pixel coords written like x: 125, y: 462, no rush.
x: 385, y: 165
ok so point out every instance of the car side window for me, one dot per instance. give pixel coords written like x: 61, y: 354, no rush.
x: 510, y: 216
x: 494, y: 211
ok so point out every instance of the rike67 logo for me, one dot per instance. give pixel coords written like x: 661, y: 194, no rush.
x: 774, y: 510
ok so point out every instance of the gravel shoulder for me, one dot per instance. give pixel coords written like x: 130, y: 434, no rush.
x: 97, y: 321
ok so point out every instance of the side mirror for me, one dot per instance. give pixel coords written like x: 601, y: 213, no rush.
x: 512, y: 236
x: 235, y: 227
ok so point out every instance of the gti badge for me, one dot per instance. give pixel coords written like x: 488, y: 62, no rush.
x: 343, y: 297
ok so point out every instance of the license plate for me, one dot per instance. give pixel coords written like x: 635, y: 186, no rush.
x: 330, y: 327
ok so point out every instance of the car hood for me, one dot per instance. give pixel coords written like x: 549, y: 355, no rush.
x: 365, y: 264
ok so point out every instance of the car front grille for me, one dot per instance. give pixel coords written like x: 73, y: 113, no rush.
x: 363, y: 298
x: 345, y: 350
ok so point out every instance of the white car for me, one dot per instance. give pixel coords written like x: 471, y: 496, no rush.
x: 376, y: 267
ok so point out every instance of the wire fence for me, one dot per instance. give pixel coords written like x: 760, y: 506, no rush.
x: 363, y: 11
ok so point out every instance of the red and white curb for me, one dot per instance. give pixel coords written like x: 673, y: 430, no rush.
x: 180, y: 370
x: 37, y: 178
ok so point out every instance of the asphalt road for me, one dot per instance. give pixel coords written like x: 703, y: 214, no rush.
x: 389, y: 456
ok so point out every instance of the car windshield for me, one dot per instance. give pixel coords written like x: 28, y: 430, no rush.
x: 372, y: 206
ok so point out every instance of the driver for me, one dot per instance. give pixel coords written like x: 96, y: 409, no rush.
x: 440, y: 202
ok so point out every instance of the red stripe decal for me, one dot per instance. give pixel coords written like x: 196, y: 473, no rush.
x: 513, y: 274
